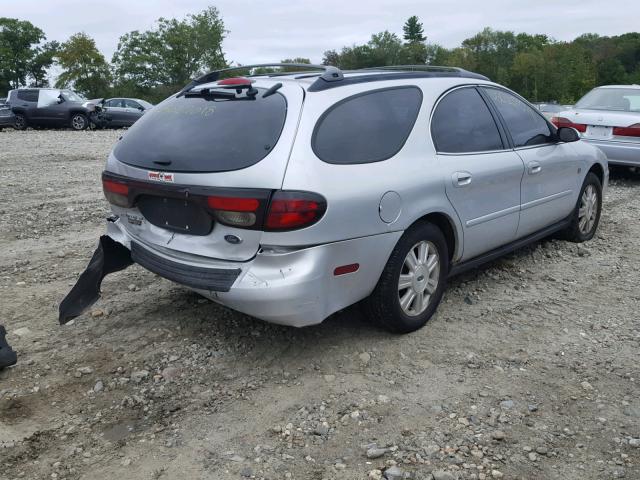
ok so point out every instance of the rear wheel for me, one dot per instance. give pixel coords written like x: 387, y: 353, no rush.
x: 413, y: 281
x: 79, y: 121
x: 586, y: 215
x: 20, y: 122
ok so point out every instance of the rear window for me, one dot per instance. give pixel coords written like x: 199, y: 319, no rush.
x: 28, y: 95
x: 619, y: 99
x: 368, y: 127
x: 204, y: 133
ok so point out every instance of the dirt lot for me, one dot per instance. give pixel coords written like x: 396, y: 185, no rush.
x: 529, y: 370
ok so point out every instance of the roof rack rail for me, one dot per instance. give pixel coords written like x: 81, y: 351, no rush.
x: 417, y: 68
x: 395, y: 72
x: 329, y: 73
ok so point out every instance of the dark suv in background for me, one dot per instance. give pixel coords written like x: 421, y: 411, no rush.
x: 49, y: 107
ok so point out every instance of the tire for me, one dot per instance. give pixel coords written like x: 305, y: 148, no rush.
x: 384, y: 305
x: 20, y: 123
x: 586, y: 215
x: 79, y: 121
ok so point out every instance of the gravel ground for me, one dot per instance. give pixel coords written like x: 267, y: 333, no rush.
x: 529, y: 369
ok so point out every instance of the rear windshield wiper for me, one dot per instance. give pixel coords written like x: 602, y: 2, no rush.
x: 206, y: 92
x: 224, y: 92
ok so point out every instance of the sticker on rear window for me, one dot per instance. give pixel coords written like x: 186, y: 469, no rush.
x: 161, y: 176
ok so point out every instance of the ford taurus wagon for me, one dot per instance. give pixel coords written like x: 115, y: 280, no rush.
x: 290, y: 196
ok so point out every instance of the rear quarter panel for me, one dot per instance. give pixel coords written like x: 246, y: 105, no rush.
x: 353, y: 192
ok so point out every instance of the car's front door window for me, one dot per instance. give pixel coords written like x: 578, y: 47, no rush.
x: 48, y: 98
x: 527, y: 126
x: 131, y: 104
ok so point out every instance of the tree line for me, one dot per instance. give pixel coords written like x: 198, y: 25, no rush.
x: 154, y: 63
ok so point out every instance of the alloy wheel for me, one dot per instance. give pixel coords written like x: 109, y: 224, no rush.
x: 588, y: 211
x: 78, y: 122
x: 419, y: 278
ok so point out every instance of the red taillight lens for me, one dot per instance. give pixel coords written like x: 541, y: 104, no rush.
x: 235, y: 81
x: 632, y: 131
x: 565, y: 122
x: 116, y: 193
x: 234, y: 211
x: 294, y: 210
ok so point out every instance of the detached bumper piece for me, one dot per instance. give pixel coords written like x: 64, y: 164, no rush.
x: 211, y: 279
x: 109, y: 257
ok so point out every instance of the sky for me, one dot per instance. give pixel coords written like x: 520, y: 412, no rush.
x: 267, y: 31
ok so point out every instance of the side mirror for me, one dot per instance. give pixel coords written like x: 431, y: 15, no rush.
x: 141, y: 108
x: 568, y: 134
x: 60, y: 100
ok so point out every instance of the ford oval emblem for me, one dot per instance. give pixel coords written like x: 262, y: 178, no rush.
x: 233, y: 239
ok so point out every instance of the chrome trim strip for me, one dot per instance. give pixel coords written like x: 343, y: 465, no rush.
x: 485, y: 152
x: 540, y: 201
x: 492, y: 216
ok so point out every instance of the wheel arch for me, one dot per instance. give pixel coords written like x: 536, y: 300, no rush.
x: 598, y: 170
x: 81, y: 111
x: 449, y: 229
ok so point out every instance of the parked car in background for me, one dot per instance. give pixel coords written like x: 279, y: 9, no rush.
x: 609, y: 118
x: 123, y: 112
x: 233, y: 189
x: 7, y: 118
x: 549, y: 109
x: 49, y: 107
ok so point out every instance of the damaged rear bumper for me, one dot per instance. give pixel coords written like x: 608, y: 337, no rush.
x: 295, y: 287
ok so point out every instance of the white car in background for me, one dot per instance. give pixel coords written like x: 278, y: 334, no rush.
x: 609, y: 118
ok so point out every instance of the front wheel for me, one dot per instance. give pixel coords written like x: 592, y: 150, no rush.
x: 79, y: 121
x: 413, y: 281
x: 586, y: 215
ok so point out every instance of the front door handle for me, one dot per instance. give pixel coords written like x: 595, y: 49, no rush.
x: 461, y: 179
x: 534, y: 168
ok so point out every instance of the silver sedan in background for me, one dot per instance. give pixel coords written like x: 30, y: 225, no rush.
x: 609, y: 118
x: 123, y: 112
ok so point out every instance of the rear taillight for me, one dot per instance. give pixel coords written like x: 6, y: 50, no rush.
x: 632, y: 131
x: 235, y: 81
x: 294, y: 210
x: 116, y: 192
x: 565, y: 122
x: 234, y: 211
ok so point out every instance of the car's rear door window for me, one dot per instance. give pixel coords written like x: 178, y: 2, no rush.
x: 28, y: 95
x: 526, y: 125
x: 462, y: 123
x: 368, y: 127
x: 205, y: 133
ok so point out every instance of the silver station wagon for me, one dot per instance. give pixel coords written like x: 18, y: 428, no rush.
x: 289, y: 196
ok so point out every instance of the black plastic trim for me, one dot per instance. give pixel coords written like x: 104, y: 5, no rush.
x: 510, y: 247
x: 212, y: 279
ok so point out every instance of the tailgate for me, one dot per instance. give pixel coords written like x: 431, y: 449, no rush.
x: 188, y: 149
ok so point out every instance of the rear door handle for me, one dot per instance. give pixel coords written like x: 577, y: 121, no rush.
x: 534, y: 168
x: 461, y: 179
